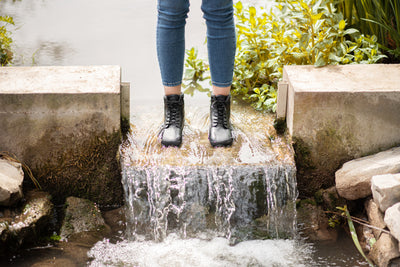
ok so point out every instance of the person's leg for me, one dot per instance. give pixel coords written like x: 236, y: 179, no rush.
x: 221, y: 44
x: 171, y: 23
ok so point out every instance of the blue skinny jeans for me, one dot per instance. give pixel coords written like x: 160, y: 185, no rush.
x: 221, y: 39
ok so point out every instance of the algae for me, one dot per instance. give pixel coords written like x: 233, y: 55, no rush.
x: 89, y: 169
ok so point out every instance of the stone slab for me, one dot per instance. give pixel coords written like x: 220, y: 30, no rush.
x: 353, y: 180
x: 338, y: 113
x: 55, y: 118
x: 386, y: 190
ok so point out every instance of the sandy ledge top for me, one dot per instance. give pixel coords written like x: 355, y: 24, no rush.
x: 60, y: 80
x: 344, y: 78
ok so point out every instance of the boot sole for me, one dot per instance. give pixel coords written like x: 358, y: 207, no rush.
x: 221, y: 144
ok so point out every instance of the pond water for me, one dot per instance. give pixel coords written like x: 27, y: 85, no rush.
x: 122, y: 32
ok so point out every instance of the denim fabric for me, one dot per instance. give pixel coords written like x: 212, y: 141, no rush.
x: 221, y: 39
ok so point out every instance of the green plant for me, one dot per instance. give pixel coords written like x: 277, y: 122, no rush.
x: 5, y: 40
x: 194, y: 73
x: 376, y: 17
x: 303, y: 32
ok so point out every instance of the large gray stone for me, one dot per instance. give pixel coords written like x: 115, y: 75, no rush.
x: 375, y: 217
x: 81, y: 215
x: 353, y: 180
x: 11, y: 178
x: 392, y: 219
x: 386, y: 190
x: 338, y: 113
x: 384, y: 250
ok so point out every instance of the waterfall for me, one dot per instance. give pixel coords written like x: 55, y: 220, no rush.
x: 244, y: 192
x: 203, y: 206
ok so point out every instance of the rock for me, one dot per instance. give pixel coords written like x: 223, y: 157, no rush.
x: 375, y: 216
x: 315, y: 223
x: 384, y: 250
x: 11, y: 178
x: 386, y: 190
x: 330, y: 198
x: 115, y: 219
x: 368, y: 238
x: 81, y: 215
x: 392, y: 219
x: 27, y: 225
x: 353, y: 180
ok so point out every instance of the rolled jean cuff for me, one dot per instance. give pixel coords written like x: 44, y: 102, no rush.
x: 172, y: 84
x: 223, y: 84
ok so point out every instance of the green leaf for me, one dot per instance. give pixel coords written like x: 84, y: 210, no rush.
x: 304, y: 40
x: 350, y: 31
x: 320, y: 62
x: 354, y: 235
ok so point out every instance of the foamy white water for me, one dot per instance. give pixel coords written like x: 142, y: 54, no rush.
x: 202, y: 253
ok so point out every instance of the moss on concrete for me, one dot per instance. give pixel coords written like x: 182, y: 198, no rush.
x: 89, y: 169
x: 320, y: 156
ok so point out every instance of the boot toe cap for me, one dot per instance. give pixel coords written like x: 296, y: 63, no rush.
x: 171, y: 136
x: 220, y: 136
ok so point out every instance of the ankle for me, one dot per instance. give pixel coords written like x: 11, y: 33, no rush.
x: 172, y: 90
x: 221, y: 90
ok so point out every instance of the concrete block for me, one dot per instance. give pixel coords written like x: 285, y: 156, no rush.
x: 338, y: 113
x: 64, y: 123
x: 282, y: 100
x: 125, y: 103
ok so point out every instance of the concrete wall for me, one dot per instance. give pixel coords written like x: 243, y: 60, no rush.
x: 337, y: 113
x: 64, y: 123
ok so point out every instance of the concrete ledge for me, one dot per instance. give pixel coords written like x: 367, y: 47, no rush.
x: 65, y: 123
x: 338, y: 113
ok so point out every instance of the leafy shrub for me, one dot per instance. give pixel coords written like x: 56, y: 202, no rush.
x: 303, y: 32
x: 5, y: 40
x: 195, y: 70
x: 376, y: 17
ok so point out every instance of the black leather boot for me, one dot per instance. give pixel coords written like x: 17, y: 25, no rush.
x: 220, y: 133
x: 171, y: 134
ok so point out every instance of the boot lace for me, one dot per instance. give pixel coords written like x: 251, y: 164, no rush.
x: 173, y: 115
x: 220, y: 118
